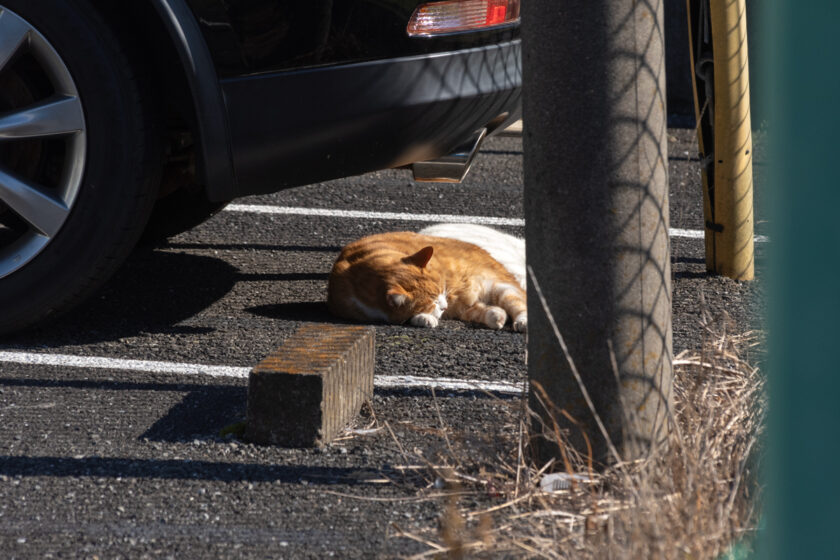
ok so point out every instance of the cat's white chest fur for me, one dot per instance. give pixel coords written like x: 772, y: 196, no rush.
x: 508, y: 250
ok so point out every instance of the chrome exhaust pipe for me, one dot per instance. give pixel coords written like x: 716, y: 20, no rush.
x: 451, y: 168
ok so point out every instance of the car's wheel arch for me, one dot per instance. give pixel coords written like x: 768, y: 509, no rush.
x: 169, y: 26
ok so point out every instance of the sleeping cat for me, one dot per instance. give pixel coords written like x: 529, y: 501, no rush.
x: 444, y: 271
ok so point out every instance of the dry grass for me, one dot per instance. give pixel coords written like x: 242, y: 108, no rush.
x: 693, y: 500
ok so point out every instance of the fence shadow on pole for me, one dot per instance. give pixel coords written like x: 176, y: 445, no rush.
x: 596, y: 207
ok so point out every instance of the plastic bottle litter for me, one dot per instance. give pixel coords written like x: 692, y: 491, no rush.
x: 561, y: 481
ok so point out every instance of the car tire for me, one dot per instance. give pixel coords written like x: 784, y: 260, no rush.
x: 76, y: 186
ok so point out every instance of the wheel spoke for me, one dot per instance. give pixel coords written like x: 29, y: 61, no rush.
x: 13, y: 32
x: 40, y: 210
x: 56, y: 116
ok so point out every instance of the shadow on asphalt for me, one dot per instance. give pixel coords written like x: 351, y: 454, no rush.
x: 690, y: 260
x: 283, y: 277
x: 201, y: 414
x: 252, y: 246
x: 102, y: 467
x: 691, y: 274
x: 152, y: 292
x: 101, y: 385
x: 155, y: 290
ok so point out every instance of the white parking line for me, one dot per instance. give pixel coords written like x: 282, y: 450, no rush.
x: 408, y: 217
x: 699, y: 234
x: 150, y: 366
x: 447, y: 384
x: 97, y: 362
x: 398, y: 216
x: 687, y: 233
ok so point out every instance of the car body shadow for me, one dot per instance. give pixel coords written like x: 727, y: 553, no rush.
x: 152, y: 292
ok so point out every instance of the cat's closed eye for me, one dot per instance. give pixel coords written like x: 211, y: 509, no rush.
x: 396, y: 298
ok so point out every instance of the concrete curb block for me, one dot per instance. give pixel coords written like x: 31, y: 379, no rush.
x: 305, y: 393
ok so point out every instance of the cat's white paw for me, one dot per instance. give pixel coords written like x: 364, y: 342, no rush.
x: 495, y: 317
x: 520, y: 324
x: 425, y: 320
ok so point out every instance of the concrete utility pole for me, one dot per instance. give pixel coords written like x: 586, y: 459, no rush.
x: 596, y: 213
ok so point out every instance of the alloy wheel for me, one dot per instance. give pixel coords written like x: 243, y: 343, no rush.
x: 42, y: 142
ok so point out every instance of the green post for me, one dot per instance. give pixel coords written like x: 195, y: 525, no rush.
x: 804, y: 301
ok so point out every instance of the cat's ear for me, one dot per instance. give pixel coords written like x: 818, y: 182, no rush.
x: 421, y: 258
x: 396, y: 297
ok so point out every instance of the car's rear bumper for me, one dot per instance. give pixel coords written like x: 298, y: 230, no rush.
x: 301, y: 127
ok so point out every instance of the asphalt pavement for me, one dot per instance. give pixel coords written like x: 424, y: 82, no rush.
x: 105, y: 458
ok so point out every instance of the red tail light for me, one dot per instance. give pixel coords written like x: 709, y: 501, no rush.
x: 455, y: 16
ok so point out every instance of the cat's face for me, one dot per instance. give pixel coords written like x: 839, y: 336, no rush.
x: 426, y: 299
x: 412, y: 288
x: 375, y: 280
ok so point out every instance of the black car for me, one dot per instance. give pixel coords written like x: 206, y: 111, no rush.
x: 129, y: 118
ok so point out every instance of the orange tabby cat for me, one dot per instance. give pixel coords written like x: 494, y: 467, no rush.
x: 405, y: 276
